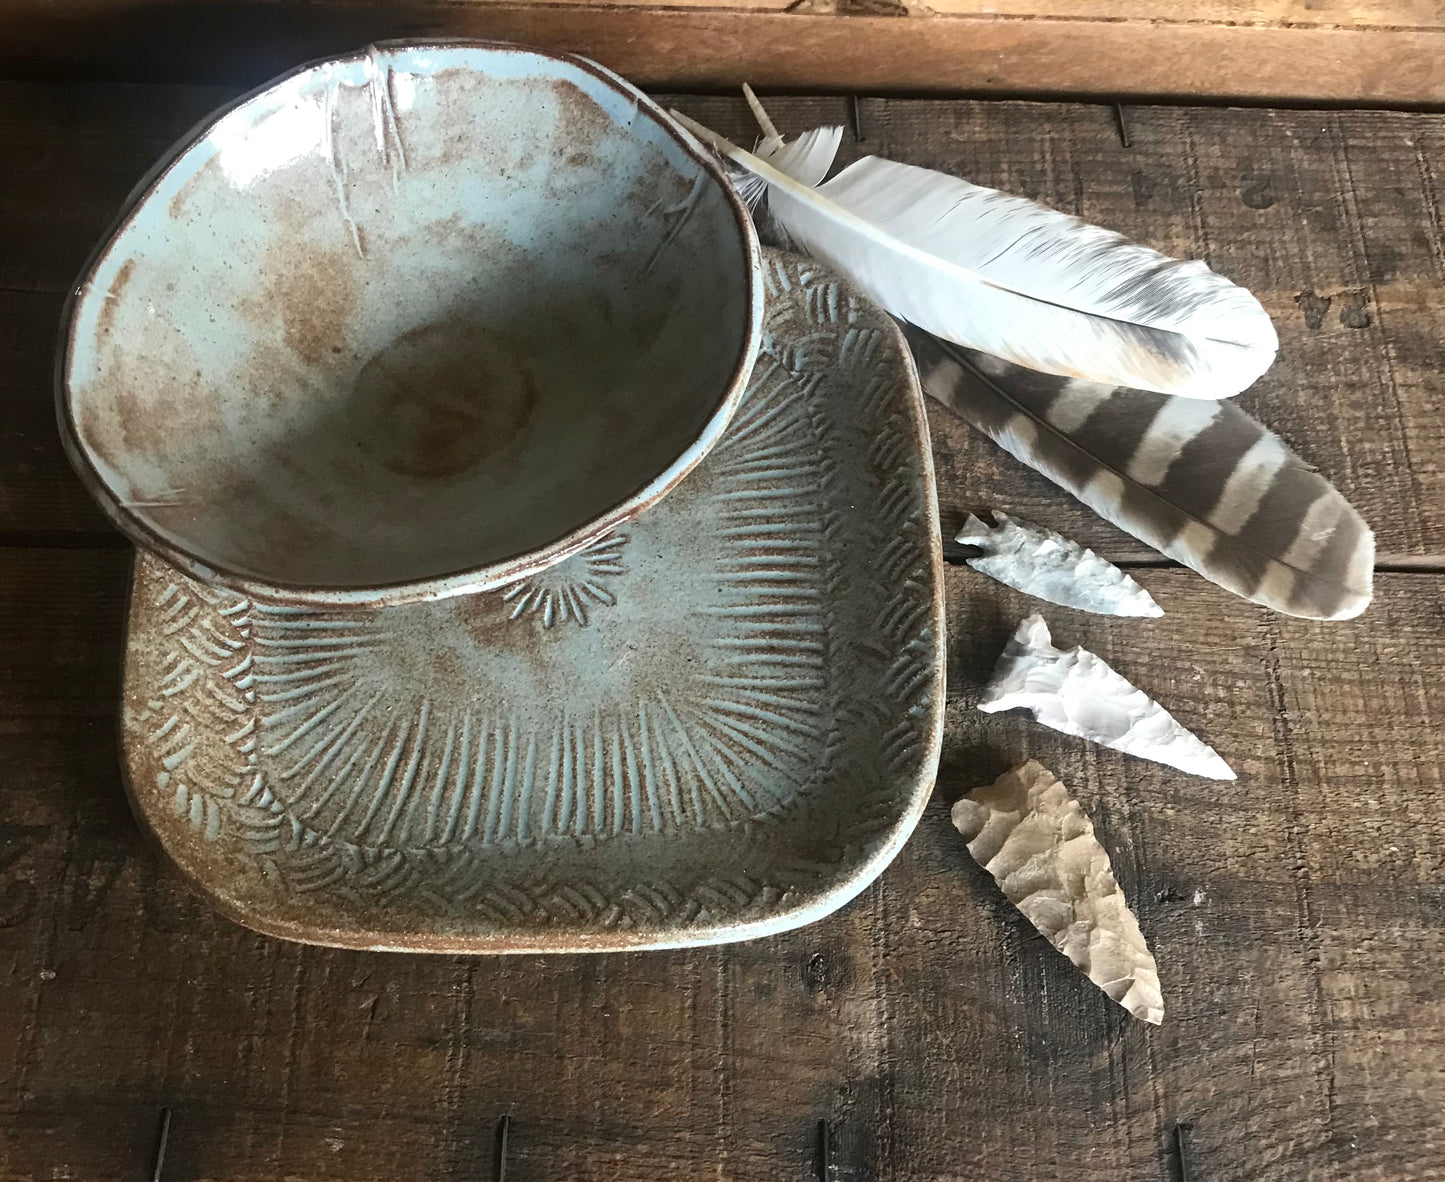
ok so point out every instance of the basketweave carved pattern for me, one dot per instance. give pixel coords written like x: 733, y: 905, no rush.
x: 624, y: 742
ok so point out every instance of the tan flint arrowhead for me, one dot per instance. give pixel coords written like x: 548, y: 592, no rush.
x: 1032, y: 836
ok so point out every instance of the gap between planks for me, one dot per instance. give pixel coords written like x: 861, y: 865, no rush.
x: 953, y: 553
x: 702, y: 48
x: 1393, y: 564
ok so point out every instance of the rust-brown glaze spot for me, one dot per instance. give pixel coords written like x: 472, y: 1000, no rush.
x: 146, y: 403
x: 106, y: 320
x: 586, y: 122
x: 441, y: 398
x: 447, y: 670
x: 658, y: 189
x: 485, y: 153
x: 92, y: 433
x: 316, y: 296
x: 487, y: 617
x: 178, y: 203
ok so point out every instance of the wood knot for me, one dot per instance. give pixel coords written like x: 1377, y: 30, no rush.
x: 824, y: 973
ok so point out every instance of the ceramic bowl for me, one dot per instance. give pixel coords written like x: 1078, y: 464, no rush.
x: 409, y: 323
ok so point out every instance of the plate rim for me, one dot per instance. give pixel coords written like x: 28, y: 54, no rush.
x: 812, y: 904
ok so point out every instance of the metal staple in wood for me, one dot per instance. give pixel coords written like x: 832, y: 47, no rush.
x: 163, y: 1136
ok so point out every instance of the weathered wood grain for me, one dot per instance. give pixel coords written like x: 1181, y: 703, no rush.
x: 40, y: 497
x: 1297, y: 915
x: 1333, y: 219
x: 1278, y: 875
x: 1293, y: 50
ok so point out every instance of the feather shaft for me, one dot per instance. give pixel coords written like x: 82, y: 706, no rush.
x: 1011, y: 277
x: 765, y: 122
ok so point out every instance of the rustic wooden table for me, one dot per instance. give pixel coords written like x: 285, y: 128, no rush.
x: 1357, y: 51
x: 924, y: 1032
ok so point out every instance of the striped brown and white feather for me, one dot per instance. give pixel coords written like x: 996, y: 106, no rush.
x: 1202, y: 482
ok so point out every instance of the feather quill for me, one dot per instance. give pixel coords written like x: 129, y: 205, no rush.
x: 1011, y: 277
x: 806, y: 159
x: 1201, y: 482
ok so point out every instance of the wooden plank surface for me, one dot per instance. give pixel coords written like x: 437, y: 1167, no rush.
x: 1277, y: 50
x: 1298, y: 918
x: 1298, y: 914
x: 1333, y: 219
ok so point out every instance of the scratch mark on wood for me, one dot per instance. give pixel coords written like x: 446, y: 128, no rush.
x: 1321, y: 1034
x: 724, y: 1067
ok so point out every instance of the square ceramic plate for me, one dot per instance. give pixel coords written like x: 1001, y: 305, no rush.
x: 721, y: 722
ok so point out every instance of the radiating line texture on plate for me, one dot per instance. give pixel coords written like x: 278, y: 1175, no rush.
x: 723, y: 712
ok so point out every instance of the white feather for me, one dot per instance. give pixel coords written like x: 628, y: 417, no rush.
x: 1010, y: 277
x: 805, y: 159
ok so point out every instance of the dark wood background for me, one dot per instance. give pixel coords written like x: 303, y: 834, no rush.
x: 1298, y: 914
x: 1336, y: 51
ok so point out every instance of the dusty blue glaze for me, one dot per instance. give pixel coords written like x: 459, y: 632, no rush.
x: 410, y: 323
x: 718, y: 723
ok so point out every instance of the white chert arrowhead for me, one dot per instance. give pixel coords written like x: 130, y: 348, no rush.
x: 1046, y: 565
x: 1032, y: 836
x: 1075, y: 692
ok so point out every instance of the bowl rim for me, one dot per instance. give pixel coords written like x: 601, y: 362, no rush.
x: 477, y: 577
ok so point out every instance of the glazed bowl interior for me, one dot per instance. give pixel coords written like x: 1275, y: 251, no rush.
x: 424, y: 318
